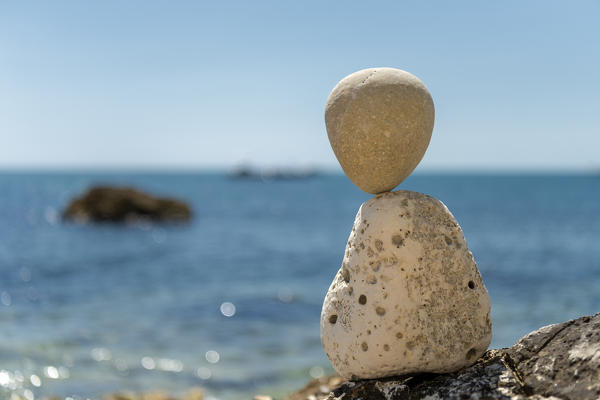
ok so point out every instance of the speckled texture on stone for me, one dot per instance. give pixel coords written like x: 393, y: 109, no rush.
x: 379, y: 122
x: 408, y: 297
x: 557, y: 362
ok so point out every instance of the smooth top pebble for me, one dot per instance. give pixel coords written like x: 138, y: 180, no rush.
x: 379, y: 122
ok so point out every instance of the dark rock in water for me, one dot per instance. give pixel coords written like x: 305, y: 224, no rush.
x: 123, y: 204
x: 555, y: 362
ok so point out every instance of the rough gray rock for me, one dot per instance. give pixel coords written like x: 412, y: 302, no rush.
x: 123, y: 204
x: 561, y: 360
x: 555, y: 362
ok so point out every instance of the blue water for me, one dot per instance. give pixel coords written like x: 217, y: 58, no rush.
x: 89, y: 310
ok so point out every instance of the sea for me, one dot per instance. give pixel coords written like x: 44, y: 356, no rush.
x: 230, y: 303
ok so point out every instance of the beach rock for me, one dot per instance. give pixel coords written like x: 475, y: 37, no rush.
x: 408, y: 297
x: 123, y: 204
x: 559, y: 361
x: 193, y: 393
x: 379, y: 122
x: 262, y: 397
x: 317, y: 388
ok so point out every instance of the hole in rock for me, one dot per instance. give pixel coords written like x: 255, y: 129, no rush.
x: 333, y: 318
x: 346, y: 275
x: 471, y: 285
x: 362, y: 299
x: 397, y: 241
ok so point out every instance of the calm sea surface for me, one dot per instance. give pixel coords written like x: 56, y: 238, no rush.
x: 231, y: 302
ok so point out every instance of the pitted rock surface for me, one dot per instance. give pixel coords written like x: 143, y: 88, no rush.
x: 408, y: 297
x: 556, y: 362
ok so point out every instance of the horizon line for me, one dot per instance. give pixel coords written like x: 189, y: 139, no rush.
x: 76, y: 169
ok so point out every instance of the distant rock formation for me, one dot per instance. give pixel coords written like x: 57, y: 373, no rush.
x: 560, y: 361
x: 125, y: 204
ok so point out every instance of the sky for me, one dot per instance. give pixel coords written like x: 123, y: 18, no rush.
x: 195, y: 84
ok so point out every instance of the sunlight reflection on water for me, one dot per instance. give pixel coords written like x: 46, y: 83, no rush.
x: 231, y: 302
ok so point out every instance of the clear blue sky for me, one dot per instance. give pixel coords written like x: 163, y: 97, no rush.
x: 192, y: 84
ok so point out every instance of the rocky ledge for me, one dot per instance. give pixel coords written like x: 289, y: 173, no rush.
x: 560, y: 361
x: 124, y: 204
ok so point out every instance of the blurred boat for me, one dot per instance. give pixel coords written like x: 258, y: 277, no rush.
x: 272, y: 174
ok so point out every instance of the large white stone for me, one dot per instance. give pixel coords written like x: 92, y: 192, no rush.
x: 408, y: 297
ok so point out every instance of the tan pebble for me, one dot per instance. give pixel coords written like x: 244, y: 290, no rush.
x: 194, y: 393
x: 156, y: 395
x: 335, y: 381
x: 379, y: 123
x: 324, y: 389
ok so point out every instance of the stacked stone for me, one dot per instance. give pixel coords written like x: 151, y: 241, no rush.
x: 408, y: 297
